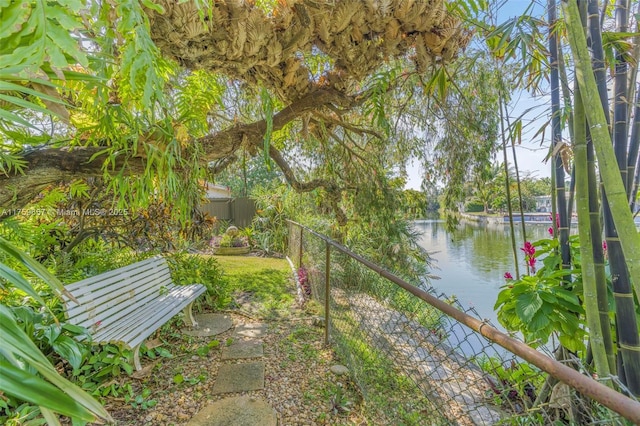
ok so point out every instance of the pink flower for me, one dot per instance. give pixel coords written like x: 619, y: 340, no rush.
x: 528, y: 249
x: 604, y: 245
x: 532, y: 264
x: 550, y: 231
x: 508, y: 276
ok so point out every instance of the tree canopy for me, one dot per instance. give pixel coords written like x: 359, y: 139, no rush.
x: 152, y: 95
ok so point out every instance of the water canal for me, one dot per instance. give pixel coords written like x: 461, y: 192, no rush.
x: 471, y: 260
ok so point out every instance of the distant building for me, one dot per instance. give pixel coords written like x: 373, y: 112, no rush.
x: 543, y: 203
x: 214, y: 191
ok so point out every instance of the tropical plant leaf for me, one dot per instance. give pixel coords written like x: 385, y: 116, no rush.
x: 35, y: 267
x: 29, y: 387
x: 527, y: 305
x: 17, y: 345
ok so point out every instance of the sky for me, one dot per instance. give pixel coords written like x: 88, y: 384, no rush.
x: 535, y: 113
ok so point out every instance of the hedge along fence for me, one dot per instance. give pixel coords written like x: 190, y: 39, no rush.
x: 430, y: 359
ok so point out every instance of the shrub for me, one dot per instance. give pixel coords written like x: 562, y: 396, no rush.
x: 193, y: 269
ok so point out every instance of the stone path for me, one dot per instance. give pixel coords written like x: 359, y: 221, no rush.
x: 241, y: 372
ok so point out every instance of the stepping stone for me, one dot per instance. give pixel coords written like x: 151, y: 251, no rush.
x: 239, y: 378
x: 209, y: 325
x: 236, y: 411
x: 252, y: 330
x: 243, y: 350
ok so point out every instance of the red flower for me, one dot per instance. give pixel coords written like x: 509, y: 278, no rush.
x: 532, y: 264
x: 604, y: 245
x: 550, y: 231
x: 508, y: 276
x: 528, y: 249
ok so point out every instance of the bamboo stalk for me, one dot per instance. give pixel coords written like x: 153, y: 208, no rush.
x: 514, y: 249
x: 586, y: 249
x: 561, y: 198
x: 612, y: 181
x: 602, y: 292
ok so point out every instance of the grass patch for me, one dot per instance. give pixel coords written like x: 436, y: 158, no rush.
x: 259, y: 282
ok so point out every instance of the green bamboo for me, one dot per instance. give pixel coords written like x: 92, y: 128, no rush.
x: 597, y: 248
x: 586, y: 249
x: 561, y: 197
x: 514, y: 249
x: 613, y: 185
x: 612, y: 181
x: 602, y: 290
x: 515, y: 166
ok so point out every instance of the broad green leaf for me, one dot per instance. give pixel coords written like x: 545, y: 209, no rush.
x: 69, y: 349
x: 24, y: 55
x: 18, y: 281
x: 35, y: 267
x: 28, y: 387
x: 527, y: 305
x: 570, y: 342
x: 539, y: 321
x: 13, y: 17
x: 67, y: 44
x: 64, y: 19
x: 17, y: 344
x: 503, y: 297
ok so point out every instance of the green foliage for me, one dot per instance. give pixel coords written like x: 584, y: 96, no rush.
x: 521, y: 377
x: 473, y: 207
x: 544, y: 304
x: 193, y: 269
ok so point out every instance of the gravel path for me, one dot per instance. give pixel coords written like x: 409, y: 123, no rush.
x: 298, y: 383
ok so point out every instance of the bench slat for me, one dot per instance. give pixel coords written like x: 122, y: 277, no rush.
x: 122, y: 293
x: 111, y: 311
x: 125, y: 270
x: 134, y: 329
x: 135, y: 316
x: 113, y: 285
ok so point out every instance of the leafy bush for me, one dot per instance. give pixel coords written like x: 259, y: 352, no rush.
x: 539, y: 304
x: 193, y: 269
x: 473, y: 207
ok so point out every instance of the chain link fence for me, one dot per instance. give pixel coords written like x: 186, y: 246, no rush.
x: 417, y: 365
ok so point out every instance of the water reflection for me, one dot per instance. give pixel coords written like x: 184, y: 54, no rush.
x: 471, y: 261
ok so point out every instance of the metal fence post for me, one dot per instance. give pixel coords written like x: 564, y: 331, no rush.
x: 300, y: 248
x: 327, y: 289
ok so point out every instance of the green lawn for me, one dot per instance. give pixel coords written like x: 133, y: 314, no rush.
x: 267, y: 282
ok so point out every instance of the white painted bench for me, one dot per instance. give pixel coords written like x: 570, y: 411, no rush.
x: 126, y: 305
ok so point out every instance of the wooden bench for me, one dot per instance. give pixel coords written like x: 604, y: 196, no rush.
x: 126, y: 305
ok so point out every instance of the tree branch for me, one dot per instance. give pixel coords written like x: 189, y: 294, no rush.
x: 332, y: 189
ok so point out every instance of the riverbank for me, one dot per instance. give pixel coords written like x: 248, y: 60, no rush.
x: 535, y: 218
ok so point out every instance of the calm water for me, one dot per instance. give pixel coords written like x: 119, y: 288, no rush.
x: 472, y: 260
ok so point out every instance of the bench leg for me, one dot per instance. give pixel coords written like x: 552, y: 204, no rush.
x: 188, y: 316
x: 136, y: 357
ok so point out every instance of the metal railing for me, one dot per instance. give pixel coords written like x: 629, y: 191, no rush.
x: 461, y: 369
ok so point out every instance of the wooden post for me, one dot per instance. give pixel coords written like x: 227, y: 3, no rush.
x: 300, y: 248
x: 327, y: 290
